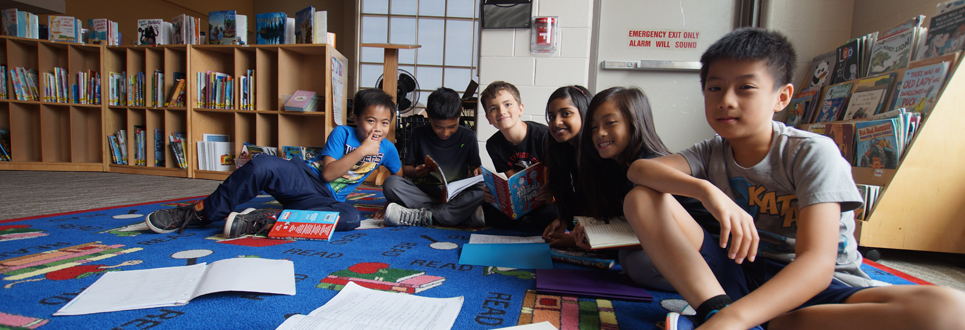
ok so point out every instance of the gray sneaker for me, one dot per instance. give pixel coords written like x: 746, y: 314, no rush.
x: 398, y: 215
x: 176, y: 219
x: 249, y: 222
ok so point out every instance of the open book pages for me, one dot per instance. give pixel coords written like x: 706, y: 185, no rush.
x: 613, y: 232
x: 450, y: 189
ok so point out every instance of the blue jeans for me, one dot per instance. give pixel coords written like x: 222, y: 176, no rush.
x: 292, y: 183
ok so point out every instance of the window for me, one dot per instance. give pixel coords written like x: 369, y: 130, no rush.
x: 448, y: 32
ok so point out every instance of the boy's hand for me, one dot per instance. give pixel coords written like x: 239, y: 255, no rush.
x: 370, y: 146
x: 378, y: 215
x: 579, y: 236
x: 477, y: 171
x: 544, y: 194
x: 487, y: 197
x: 736, y: 225
x: 555, y: 235
x: 420, y: 171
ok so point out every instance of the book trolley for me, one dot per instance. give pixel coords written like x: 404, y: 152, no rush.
x: 920, y: 206
x: 52, y: 136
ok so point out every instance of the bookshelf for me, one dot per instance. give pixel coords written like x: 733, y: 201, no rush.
x: 920, y: 204
x: 51, y: 136
x: 279, y: 71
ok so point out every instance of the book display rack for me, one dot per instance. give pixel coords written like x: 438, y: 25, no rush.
x: 53, y: 136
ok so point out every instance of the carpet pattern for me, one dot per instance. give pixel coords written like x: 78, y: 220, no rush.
x: 45, y: 261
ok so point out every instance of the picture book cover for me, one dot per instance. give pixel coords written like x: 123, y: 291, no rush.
x: 270, y: 28
x: 99, y: 31
x: 843, y: 136
x: 10, y: 22
x: 834, y: 101
x: 292, y: 151
x: 919, y: 88
x: 515, y: 196
x: 821, y: 69
x: 895, y: 48
x: 159, y: 147
x: 877, y: 144
x: 303, y: 224
x: 149, y: 31
x: 304, y: 23
x: 179, y: 31
x: 300, y: 101
x: 794, y: 112
x: 946, y: 34
x: 847, y: 63
x: 61, y: 28
x: 222, y: 27
x: 864, y: 104
x: 608, y: 233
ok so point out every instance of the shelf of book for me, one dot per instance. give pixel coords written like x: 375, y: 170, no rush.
x: 919, y: 205
x: 44, y: 134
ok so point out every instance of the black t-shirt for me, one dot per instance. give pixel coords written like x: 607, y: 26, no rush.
x: 454, y: 155
x: 507, y: 156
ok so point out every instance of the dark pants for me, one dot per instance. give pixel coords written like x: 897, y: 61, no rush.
x: 456, y: 212
x: 292, y: 183
x: 533, y: 222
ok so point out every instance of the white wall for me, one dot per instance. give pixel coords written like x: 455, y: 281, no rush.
x: 814, y: 27
x: 505, y: 55
x: 877, y: 15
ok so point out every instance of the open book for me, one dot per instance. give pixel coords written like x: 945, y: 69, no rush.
x: 175, y: 286
x: 449, y: 189
x: 515, y: 196
x: 613, y: 232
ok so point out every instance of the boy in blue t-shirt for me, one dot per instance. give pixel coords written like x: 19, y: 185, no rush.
x: 784, y: 190
x: 347, y: 159
x: 416, y: 200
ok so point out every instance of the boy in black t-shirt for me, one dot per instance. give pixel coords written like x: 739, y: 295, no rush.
x: 516, y: 146
x: 416, y: 201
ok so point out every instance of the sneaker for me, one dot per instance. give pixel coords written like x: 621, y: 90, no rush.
x: 398, y: 215
x: 176, y: 219
x: 249, y: 222
x: 677, y: 321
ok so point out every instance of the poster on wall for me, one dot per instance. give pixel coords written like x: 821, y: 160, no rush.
x: 338, y: 86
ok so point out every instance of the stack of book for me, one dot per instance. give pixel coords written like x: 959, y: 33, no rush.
x: 246, y: 89
x: 215, y: 153
x: 55, y: 86
x: 185, y: 30
x: 118, y: 145
x: 20, y: 24
x: 179, y: 143
x: 869, y: 193
x: 88, y: 88
x: 25, y: 84
x: 135, y: 90
x: 214, y: 90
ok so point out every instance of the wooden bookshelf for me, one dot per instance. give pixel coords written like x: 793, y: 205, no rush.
x: 51, y: 136
x: 280, y: 70
x: 920, y: 204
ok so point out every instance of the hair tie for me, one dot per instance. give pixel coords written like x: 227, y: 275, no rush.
x: 579, y: 89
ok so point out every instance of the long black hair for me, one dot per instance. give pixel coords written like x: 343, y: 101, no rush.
x: 561, y: 157
x: 605, y: 180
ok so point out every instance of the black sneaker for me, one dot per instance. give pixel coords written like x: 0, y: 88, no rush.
x: 249, y: 222
x: 176, y: 219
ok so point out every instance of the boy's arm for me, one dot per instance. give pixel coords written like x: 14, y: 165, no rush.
x: 806, y: 276
x: 334, y: 168
x: 671, y: 174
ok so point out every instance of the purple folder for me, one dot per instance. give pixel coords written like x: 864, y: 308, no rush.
x: 589, y: 283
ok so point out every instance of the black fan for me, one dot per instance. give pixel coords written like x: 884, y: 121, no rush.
x: 407, y: 93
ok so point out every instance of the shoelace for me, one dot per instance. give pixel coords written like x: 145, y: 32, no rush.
x: 182, y: 213
x: 261, y: 223
x: 414, y: 217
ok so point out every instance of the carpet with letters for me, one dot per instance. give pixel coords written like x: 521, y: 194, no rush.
x: 45, y: 261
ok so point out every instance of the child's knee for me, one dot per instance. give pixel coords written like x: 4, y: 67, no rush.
x: 642, y: 201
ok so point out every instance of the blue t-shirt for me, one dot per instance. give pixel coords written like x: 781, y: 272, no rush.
x: 343, y: 141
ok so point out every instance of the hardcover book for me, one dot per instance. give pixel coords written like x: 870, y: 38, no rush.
x: 270, y: 28
x: 303, y: 224
x: 877, y: 144
x: 945, y: 34
x: 864, y: 104
x: 515, y: 196
x: 834, y: 101
x: 62, y: 28
x: 821, y: 70
x: 848, y: 63
x: 895, y: 48
x: 919, y: 88
x: 608, y: 233
x: 304, y: 23
x: 794, y: 113
x: 10, y: 22
x: 150, y: 31
x: 843, y: 136
x: 222, y: 27
x: 301, y: 101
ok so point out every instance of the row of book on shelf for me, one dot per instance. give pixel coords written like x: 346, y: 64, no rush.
x: 18, y: 23
x: 132, y: 90
x: 117, y: 144
x: 869, y: 194
x: 57, y: 87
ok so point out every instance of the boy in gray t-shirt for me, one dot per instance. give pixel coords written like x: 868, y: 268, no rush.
x: 780, y: 193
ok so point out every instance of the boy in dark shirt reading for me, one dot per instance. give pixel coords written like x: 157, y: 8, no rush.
x: 349, y: 156
x: 518, y: 145
x: 416, y: 200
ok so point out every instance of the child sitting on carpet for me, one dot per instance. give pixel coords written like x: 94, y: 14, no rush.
x: 517, y: 145
x: 454, y: 148
x: 349, y: 156
x: 788, y: 191
x: 620, y: 131
x: 565, y: 111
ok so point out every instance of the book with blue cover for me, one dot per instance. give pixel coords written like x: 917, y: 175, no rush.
x: 270, y: 28
x: 304, y: 224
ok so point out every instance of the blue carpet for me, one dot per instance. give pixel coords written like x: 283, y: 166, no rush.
x: 47, y: 260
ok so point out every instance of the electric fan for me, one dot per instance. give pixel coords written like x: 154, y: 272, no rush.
x: 407, y: 93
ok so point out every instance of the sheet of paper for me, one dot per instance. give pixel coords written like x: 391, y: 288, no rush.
x: 356, y: 307
x: 545, y: 325
x: 499, y: 239
x: 249, y: 275
x: 525, y: 255
x: 135, y: 289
